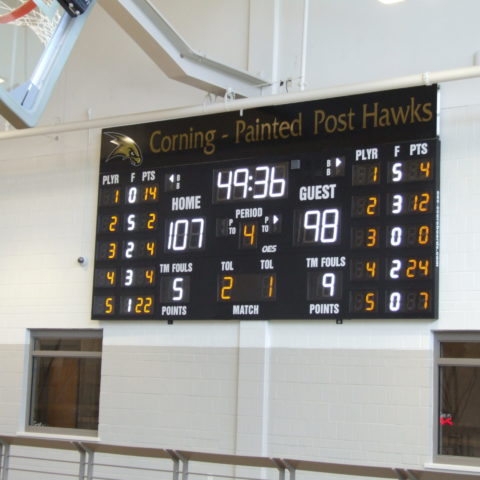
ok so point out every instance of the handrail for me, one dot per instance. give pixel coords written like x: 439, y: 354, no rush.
x: 181, y: 458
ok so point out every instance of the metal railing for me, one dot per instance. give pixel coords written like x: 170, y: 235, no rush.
x: 82, y: 460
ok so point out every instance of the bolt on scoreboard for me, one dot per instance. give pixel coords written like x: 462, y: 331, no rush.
x: 315, y: 210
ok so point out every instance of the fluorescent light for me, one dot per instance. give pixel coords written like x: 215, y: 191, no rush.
x: 2, y: 80
x: 390, y: 2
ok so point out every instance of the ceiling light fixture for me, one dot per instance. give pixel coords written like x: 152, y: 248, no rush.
x: 2, y: 80
x: 390, y: 2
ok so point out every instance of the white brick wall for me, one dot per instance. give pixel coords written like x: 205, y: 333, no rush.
x: 346, y: 405
x: 182, y: 397
x: 11, y: 388
x: 357, y: 392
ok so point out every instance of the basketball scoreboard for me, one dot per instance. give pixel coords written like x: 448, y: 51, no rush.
x: 332, y: 231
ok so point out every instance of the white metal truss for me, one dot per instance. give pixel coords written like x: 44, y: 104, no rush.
x: 162, y: 43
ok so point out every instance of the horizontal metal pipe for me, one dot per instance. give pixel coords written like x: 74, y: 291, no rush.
x: 426, y: 78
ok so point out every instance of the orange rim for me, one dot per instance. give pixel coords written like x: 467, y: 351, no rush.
x: 19, y: 12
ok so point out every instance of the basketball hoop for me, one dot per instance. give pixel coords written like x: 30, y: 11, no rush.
x: 41, y: 16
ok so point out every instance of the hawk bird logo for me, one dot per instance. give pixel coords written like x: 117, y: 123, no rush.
x: 125, y: 149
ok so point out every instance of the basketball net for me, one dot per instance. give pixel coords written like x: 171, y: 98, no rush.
x: 40, y: 16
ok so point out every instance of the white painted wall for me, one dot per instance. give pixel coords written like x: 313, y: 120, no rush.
x: 254, y: 370
x: 369, y: 40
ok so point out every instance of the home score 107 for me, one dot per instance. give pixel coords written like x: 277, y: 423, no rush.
x: 337, y: 233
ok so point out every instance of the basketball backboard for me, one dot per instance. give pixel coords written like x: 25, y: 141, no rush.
x: 36, y: 38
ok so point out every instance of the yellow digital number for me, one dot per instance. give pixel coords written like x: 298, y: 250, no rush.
x: 424, y: 266
x: 424, y: 202
x: 375, y: 174
x: 425, y: 168
x: 111, y: 277
x: 150, y: 276
x: 414, y: 264
x: 371, y: 237
x: 112, y: 250
x: 148, y: 305
x: 112, y: 226
x: 420, y: 202
x: 249, y: 233
x: 151, y: 248
x: 143, y: 305
x: 372, y: 205
x: 423, y: 234
x: 224, y: 292
x: 425, y: 296
x: 150, y: 193
x: 371, y: 268
x: 117, y: 196
x: 109, y: 305
x: 139, y: 305
x: 412, y: 267
x: 370, y: 302
x: 152, y: 220
x: 271, y: 283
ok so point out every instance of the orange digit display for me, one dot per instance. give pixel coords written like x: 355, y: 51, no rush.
x: 150, y: 276
x: 113, y: 223
x: 226, y: 288
x: 425, y: 168
x: 372, y: 205
x: 151, y: 248
x: 150, y: 193
x: 248, y: 235
x: 152, y: 220
x: 370, y: 302
x: 111, y: 277
x: 372, y: 237
x: 424, y: 300
x: 112, y: 250
x: 109, y: 305
x: 371, y: 268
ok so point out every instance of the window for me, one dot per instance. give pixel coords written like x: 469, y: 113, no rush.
x: 458, y: 400
x: 65, y: 381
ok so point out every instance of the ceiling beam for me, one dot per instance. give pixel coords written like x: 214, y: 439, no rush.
x: 159, y: 40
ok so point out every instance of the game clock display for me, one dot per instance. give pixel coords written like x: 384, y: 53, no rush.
x: 336, y: 233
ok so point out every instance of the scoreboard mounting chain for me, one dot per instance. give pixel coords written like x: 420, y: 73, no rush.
x: 331, y: 232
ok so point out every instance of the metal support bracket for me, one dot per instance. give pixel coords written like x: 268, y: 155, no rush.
x: 281, y: 468
x: 90, y: 454
x: 6, y: 459
x: 410, y: 475
x: 176, y: 464
x: 184, y: 461
x: 291, y: 470
x: 82, y: 462
x: 160, y: 41
x: 399, y: 474
x: 405, y: 474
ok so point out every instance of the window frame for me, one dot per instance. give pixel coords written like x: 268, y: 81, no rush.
x: 33, y: 354
x: 440, y: 337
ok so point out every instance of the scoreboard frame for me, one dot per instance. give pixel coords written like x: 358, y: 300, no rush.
x: 315, y: 210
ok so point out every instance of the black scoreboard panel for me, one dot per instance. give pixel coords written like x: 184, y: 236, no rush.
x: 331, y: 232
x: 345, y: 233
